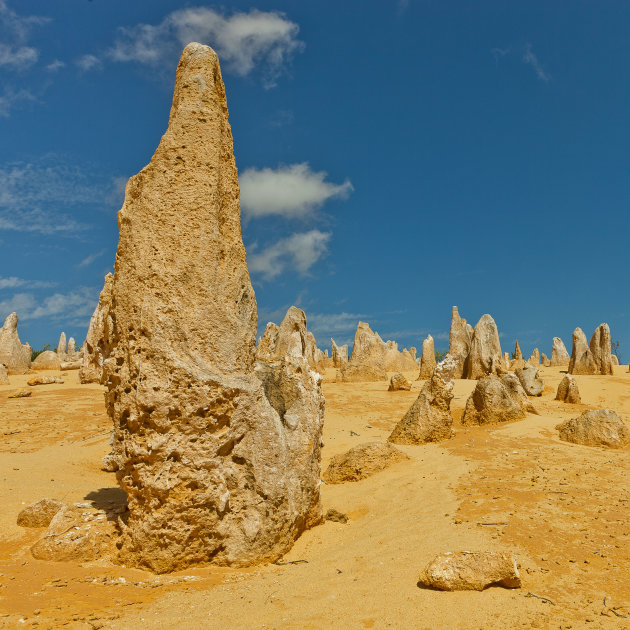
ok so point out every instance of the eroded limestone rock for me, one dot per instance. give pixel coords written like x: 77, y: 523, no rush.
x: 398, y: 382
x: 4, y: 375
x: 598, y: 427
x: 370, y: 350
x: 362, y: 461
x: 471, y: 571
x: 614, y: 359
x: 568, y: 390
x: 47, y: 360
x: 534, y: 358
x: 44, y: 380
x: 62, y: 345
x: 544, y: 360
x: 14, y: 355
x: 361, y: 373
x: 427, y: 362
x: 40, y: 513
x: 492, y: 401
x: 559, y: 354
x: 429, y: 417
x: 594, y: 358
x: 485, y: 349
x: 217, y: 466
x: 528, y: 376
x: 339, y: 353
x: 98, y: 339
x: 459, y: 340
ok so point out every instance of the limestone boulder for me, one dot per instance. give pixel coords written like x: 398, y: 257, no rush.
x: 532, y: 384
x: 598, y: 427
x: 98, y: 339
x: 614, y: 359
x: 339, y: 353
x: 212, y: 459
x: 427, y: 362
x: 4, y: 375
x: 471, y: 571
x: 491, y: 402
x: 369, y: 349
x: 459, y: 341
x: 601, y: 349
x: 21, y: 393
x: 362, y: 461
x: 568, y: 391
x: 544, y: 360
x: 485, y: 349
x: 582, y: 360
x: 398, y: 382
x: 361, y: 373
x: 534, y: 358
x: 14, y: 355
x: 514, y: 387
x: 44, y: 380
x: 559, y: 354
x: 429, y: 417
x: 40, y: 513
x: 71, y: 365
x: 594, y: 358
x: 47, y: 360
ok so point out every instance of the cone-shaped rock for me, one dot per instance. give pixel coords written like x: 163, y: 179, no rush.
x: 485, y: 349
x: 568, y: 391
x: 427, y: 362
x: 97, y: 341
x: 217, y: 466
x: 14, y: 355
x: 600, y: 347
x: 62, y: 346
x: 534, y: 358
x: 582, y: 359
x: 559, y: 354
x: 339, y: 353
x: 459, y: 340
x: 493, y: 400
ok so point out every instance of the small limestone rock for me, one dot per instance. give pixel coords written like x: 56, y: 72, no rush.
x: 77, y: 534
x: 339, y: 353
x: 4, y: 375
x: 544, y: 360
x: 485, y: 349
x: 528, y: 376
x: 362, y: 461
x: 427, y: 362
x: 471, y: 571
x: 352, y: 373
x: 568, y: 391
x: 62, y: 346
x: 534, y: 358
x: 71, y: 365
x: 48, y: 360
x: 110, y: 462
x: 614, y: 359
x: 40, y: 513
x: 429, y: 418
x: 14, y: 355
x: 398, y: 382
x: 21, y: 393
x: 492, y: 402
x: 336, y: 516
x: 44, y: 380
x: 513, y: 385
x: 459, y: 340
x: 559, y: 354
x: 599, y: 427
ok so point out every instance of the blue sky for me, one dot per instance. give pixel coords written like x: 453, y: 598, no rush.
x: 395, y: 158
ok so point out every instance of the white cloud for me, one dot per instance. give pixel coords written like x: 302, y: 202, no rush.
x: 13, y: 283
x: 68, y: 306
x: 530, y: 58
x: 88, y: 260
x: 88, y: 62
x: 17, y: 58
x: 293, y: 191
x: 243, y: 41
x: 17, y: 27
x: 55, y: 65
x: 298, y: 251
x: 11, y: 97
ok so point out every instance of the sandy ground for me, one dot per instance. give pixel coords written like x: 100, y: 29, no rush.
x: 563, y: 509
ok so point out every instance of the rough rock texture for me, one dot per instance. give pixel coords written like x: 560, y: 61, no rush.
x: 360, y: 374
x: 14, y: 355
x: 544, y: 360
x: 72, y: 347
x: 614, y: 360
x: 429, y: 417
x: 362, y: 461
x: 528, y: 376
x: 44, y: 380
x: 485, y: 349
x: 79, y: 533
x: 369, y: 349
x: 217, y: 465
x: 534, y: 358
x: 568, y: 390
x: 48, y: 360
x: 98, y: 339
x: 600, y: 347
x: 559, y: 354
x: 336, y: 516
x: 4, y: 375
x: 266, y: 350
x: 599, y: 427
x: 21, y: 393
x: 514, y: 387
x: 62, y: 346
x: 517, y: 351
x: 459, y: 340
x: 491, y: 402
x: 471, y: 571
x: 582, y: 361
x: 427, y: 362
x: 398, y: 382
x: 339, y: 353
x: 40, y: 513
x: 71, y: 365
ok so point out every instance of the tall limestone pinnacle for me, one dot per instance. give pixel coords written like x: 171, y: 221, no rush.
x: 217, y: 466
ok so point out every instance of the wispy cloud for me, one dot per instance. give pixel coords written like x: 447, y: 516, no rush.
x: 57, y: 64
x: 499, y: 53
x: 73, y: 306
x: 298, y: 252
x: 264, y: 40
x: 88, y: 62
x: 531, y: 59
x: 17, y: 27
x: 88, y: 260
x: 17, y: 57
x: 10, y: 98
x: 14, y: 283
x: 293, y: 191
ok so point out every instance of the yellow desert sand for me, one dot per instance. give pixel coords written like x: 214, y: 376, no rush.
x: 560, y: 508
